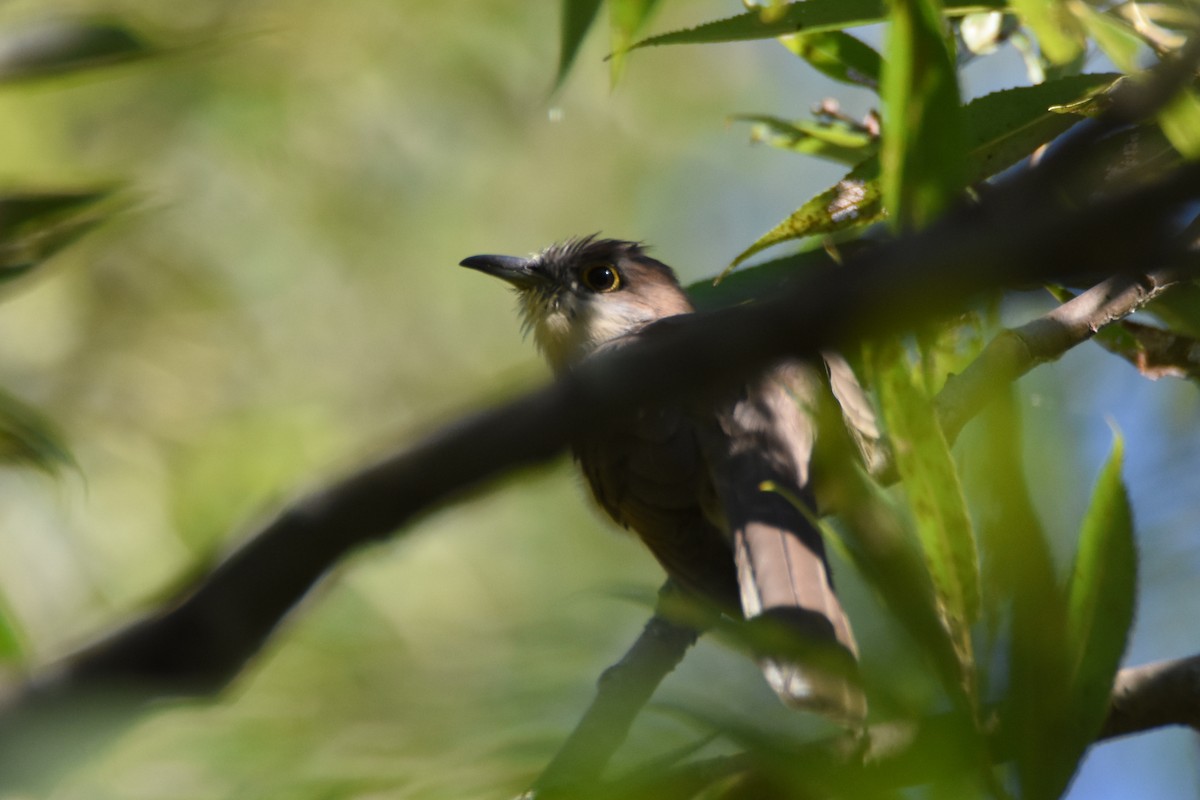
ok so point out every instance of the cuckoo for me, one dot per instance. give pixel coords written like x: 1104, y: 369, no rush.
x: 688, y: 476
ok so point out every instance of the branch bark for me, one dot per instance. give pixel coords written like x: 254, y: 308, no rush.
x: 1016, y: 351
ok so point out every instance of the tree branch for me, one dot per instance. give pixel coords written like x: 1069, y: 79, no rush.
x: 1016, y: 351
x: 622, y: 691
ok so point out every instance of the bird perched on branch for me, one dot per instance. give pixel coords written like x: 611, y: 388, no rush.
x: 690, y: 476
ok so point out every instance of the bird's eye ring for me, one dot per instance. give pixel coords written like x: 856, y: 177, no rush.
x: 602, y: 278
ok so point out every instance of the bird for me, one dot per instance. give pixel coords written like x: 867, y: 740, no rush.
x: 714, y: 485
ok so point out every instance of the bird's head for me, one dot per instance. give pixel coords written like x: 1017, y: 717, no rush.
x: 583, y: 293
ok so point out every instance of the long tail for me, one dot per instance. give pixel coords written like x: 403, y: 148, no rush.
x: 807, y: 649
x: 809, y: 652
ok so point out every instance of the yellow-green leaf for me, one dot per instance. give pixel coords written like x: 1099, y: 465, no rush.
x: 626, y: 19
x: 1100, y: 603
x: 577, y: 19
x: 934, y: 493
x: 28, y: 437
x: 1059, y: 33
x: 1180, y: 122
x: 838, y: 55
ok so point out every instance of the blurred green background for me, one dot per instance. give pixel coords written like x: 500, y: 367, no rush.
x: 281, y: 304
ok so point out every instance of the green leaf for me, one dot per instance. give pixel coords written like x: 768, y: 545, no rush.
x: 935, y: 495
x: 923, y: 154
x: 35, y: 226
x: 577, y: 19
x: 853, y: 201
x: 1117, y: 40
x: 1002, y: 128
x: 1100, y: 604
x: 34, y: 208
x: 838, y: 55
x: 65, y: 46
x: 1180, y: 121
x: 626, y: 19
x: 1020, y: 576
x: 28, y: 437
x: 12, y: 641
x: 1179, y: 308
x: 835, y: 140
x: 1058, y: 31
x: 1102, y: 589
x: 810, y: 16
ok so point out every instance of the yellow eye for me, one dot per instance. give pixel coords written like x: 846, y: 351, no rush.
x: 601, y: 278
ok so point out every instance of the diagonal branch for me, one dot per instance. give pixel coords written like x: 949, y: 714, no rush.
x: 1014, y: 352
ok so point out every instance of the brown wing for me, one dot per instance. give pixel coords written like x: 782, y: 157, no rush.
x: 647, y: 472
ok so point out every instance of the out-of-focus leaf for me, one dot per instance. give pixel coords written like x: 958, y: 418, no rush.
x: 1117, y: 40
x: 62, y: 46
x: 1101, y: 598
x: 1058, y: 31
x: 1179, y: 309
x: 20, y: 210
x: 577, y: 19
x: 1180, y: 121
x: 626, y: 18
x: 1003, y: 127
x: 12, y: 648
x: 835, y: 140
x: 27, y: 437
x: 810, y: 16
x: 923, y: 153
x: 935, y: 495
x: 1019, y: 577
x: 34, y: 226
x: 838, y: 55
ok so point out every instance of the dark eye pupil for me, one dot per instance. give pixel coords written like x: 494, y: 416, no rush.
x: 601, y: 278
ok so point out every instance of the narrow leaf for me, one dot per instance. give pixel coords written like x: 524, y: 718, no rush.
x: 838, y: 55
x: 1180, y: 121
x: 20, y: 210
x: 835, y: 140
x: 63, y: 46
x: 1100, y: 607
x: 853, y: 201
x: 577, y: 19
x: 1020, y: 577
x: 12, y: 642
x: 1058, y: 31
x: 626, y: 19
x: 810, y: 16
x: 1179, y: 308
x: 924, y: 136
x: 28, y: 437
x: 1102, y: 588
x: 35, y: 226
x: 1118, y: 41
x: 934, y: 492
